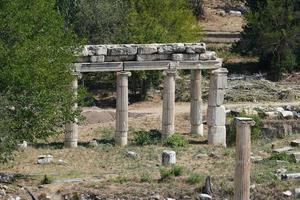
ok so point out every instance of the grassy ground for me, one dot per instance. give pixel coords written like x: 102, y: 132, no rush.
x: 107, y: 171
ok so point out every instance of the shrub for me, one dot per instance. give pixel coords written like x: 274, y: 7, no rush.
x: 283, y: 156
x: 165, y: 173
x: 46, y: 180
x: 176, y: 140
x: 177, y: 170
x: 255, y: 130
x: 146, y: 178
x: 168, y: 173
x: 146, y: 138
x: 194, y: 178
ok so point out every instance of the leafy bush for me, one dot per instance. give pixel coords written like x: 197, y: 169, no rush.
x: 36, y: 51
x: 283, y: 156
x: 168, y: 173
x: 231, y: 128
x: 194, y: 178
x: 146, y: 178
x: 146, y: 138
x: 176, y: 140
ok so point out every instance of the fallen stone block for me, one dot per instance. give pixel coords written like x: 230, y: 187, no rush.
x: 45, y: 159
x: 235, y: 13
x: 283, y: 149
x: 287, y: 193
x: 204, y: 197
x: 168, y: 157
x: 131, y: 154
x: 286, y: 114
x: 291, y: 176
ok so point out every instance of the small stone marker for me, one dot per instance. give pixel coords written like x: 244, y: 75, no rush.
x: 131, y: 154
x: 93, y: 143
x: 168, y: 157
x: 45, y: 159
x: 235, y: 13
x: 295, y: 143
x: 287, y: 193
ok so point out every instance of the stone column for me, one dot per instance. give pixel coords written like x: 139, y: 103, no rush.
x: 122, y: 109
x: 243, y: 162
x: 71, y: 129
x: 168, y: 115
x: 196, y: 103
x: 216, y: 116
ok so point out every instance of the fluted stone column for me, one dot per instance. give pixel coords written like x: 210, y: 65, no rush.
x: 243, y: 162
x: 71, y: 129
x: 216, y: 116
x: 196, y: 103
x: 168, y: 115
x: 122, y: 109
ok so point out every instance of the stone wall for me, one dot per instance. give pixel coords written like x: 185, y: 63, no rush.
x: 146, y: 52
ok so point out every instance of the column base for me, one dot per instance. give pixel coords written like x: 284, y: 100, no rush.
x: 197, y: 130
x: 70, y: 144
x: 121, y: 139
x: 217, y: 135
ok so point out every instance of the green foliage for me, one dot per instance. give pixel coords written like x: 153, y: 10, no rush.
x: 283, y: 156
x: 46, y: 180
x: 176, y: 140
x: 166, y: 173
x: 273, y: 34
x: 194, y: 178
x: 255, y: 130
x: 146, y: 178
x: 143, y: 137
x: 35, y: 77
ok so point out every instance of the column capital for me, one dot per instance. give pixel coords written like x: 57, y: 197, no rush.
x: 220, y: 71
x: 170, y: 72
x: 124, y: 73
x: 244, y: 121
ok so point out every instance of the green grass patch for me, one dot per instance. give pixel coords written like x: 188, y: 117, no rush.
x: 194, y: 178
x: 176, y: 140
x: 142, y: 137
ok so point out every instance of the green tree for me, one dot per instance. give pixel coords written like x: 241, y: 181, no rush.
x: 272, y: 33
x: 36, y: 51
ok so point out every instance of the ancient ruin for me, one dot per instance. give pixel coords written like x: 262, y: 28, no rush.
x: 169, y: 58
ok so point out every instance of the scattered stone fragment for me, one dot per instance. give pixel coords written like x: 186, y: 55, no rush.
x: 295, y: 143
x: 45, y: 159
x: 204, y: 197
x: 291, y: 176
x: 208, y: 55
x: 23, y: 145
x: 235, y: 13
x: 131, y: 154
x: 297, y: 193
x: 168, y: 157
x: 155, y: 197
x: 7, y: 177
x: 93, y: 143
x: 283, y: 149
x: 286, y: 114
x: 287, y: 193
x: 281, y: 171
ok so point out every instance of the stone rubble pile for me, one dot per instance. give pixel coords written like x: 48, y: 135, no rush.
x: 146, y: 52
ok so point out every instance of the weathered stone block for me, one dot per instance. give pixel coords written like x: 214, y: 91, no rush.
x: 216, y: 116
x: 208, y: 55
x: 101, y: 50
x: 195, y: 48
x: 217, y: 135
x: 165, y: 49
x: 147, y: 49
x: 122, y: 50
x: 88, y: 50
x: 216, y: 97
x: 153, y: 57
x: 218, y: 79
x: 179, y: 48
x: 185, y: 57
x: 120, y: 58
x: 168, y: 157
x: 97, y: 59
x: 45, y: 159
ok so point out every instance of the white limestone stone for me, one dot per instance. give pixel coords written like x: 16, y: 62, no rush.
x: 187, y: 57
x: 147, y: 49
x: 101, y: 50
x: 122, y: 50
x: 286, y: 114
x: 295, y: 143
x: 153, y: 57
x: 96, y: 59
x: 165, y: 49
x: 208, y: 55
x: 216, y: 116
x: 45, y: 159
x: 217, y: 135
x: 216, y: 97
x: 195, y: 48
x: 168, y: 157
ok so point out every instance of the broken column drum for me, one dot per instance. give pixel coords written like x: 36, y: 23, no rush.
x: 196, y: 103
x: 122, y: 109
x: 168, y: 115
x: 71, y: 129
x: 216, y: 116
x: 243, y: 156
